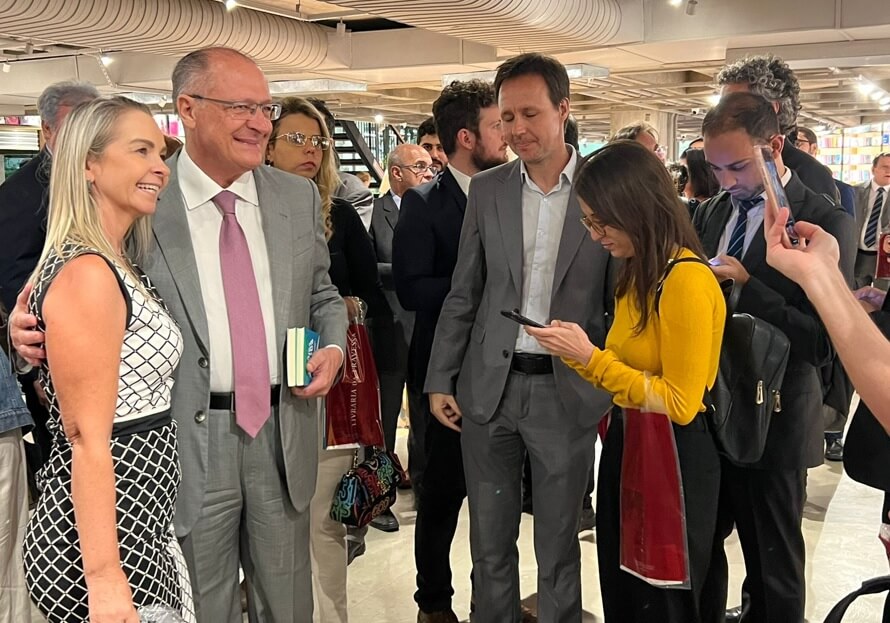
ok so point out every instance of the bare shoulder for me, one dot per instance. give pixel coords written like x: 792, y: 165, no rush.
x: 85, y: 288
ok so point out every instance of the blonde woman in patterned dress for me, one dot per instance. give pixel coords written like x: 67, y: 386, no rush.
x: 100, y: 545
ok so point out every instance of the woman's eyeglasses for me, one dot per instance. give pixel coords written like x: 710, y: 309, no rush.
x: 299, y: 139
x: 592, y: 226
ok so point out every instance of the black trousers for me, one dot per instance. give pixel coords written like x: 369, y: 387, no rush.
x: 627, y: 599
x: 766, y: 507
x: 441, y: 498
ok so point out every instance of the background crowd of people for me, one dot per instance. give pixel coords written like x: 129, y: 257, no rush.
x: 151, y: 287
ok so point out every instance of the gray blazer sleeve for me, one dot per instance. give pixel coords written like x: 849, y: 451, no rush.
x: 327, y: 311
x: 459, y: 309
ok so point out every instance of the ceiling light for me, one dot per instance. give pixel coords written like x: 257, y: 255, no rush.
x: 378, y: 118
x: 865, y: 87
x: 819, y: 128
x: 714, y: 99
x: 885, y: 108
x: 585, y: 70
x: 886, y: 100
x: 675, y: 2
x: 878, y: 94
x: 106, y: 60
x: 231, y: 4
x: 690, y: 7
x: 7, y: 68
x: 29, y: 48
x: 322, y: 85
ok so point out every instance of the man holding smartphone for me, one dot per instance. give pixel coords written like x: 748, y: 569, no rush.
x: 522, y: 247
x: 764, y: 500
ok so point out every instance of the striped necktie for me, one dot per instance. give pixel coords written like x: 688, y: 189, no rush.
x: 871, y: 228
x: 736, y: 245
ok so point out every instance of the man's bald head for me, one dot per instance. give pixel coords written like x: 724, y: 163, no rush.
x: 408, y: 167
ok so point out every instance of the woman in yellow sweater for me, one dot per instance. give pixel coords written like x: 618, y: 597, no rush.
x: 655, y: 360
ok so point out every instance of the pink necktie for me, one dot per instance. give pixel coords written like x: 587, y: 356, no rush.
x: 250, y: 362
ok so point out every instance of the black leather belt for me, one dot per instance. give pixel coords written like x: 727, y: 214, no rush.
x: 525, y: 363
x: 226, y: 401
x: 868, y: 252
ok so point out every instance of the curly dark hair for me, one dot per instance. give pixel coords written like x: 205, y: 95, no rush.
x: 457, y: 107
x: 770, y: 77
x: 427, y: 128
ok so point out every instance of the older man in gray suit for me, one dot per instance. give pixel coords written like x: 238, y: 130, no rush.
x: 522, y: 247
x: 247, y: 449
x: 872, y: 218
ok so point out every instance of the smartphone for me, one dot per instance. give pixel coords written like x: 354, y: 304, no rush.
x: 715, y: 261
x: 775, y: 192
x: 515, y: 316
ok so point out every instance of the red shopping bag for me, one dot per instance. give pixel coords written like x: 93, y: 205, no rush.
x: 653, y: 516
x: 352, y: 408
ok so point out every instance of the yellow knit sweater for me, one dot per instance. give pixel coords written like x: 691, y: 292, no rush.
x: 666, y: 368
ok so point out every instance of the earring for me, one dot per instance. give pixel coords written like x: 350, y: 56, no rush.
x: 89, y: 186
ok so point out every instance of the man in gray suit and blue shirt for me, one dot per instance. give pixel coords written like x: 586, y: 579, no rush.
x: 522, y: 247
x: 247, y: 449
x: 872, y: 218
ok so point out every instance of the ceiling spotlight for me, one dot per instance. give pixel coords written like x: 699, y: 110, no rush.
x: 378, y: 118
x: 231, y: 4
x: 865, y: 87
x: 29, y: 48
x: 106, y: 60
x: 886, y: 100
x: 6, y: 68
x: 675, y: 2
x: 714, y: 99
x: 877, y: 94
x: 690, y: 7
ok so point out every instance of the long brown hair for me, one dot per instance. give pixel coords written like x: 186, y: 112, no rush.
x: 628, y: 188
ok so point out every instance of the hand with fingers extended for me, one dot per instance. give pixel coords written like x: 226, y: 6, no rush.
x: 564, y: 339
x: 816, y: 255
x: 445, y: 409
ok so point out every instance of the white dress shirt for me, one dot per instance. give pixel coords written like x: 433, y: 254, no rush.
x: 543, y: 217
x: 462, y: 179
x: 397, y: 199
x: 871, y: 202
x: 205, y: 221
x: 755, y: 220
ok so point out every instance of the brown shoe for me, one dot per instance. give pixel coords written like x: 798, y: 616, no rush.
x: 442, y: 616
x: 527, y: 615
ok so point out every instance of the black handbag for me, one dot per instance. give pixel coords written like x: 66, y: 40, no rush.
x: 869, y: 587
x: 747, y: 391
x: 368, y: 489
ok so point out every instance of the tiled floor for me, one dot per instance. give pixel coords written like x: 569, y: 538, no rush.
x: 840, y: 527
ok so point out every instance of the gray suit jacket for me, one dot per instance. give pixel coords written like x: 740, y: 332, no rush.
x: 474, y: 343
x: 383, y: 225
x: 303, y: 296
x: 863, y: 209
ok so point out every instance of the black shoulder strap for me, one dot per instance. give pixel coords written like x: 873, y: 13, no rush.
x: 667, y: 271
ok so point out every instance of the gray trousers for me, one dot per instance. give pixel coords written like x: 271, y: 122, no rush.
x: 247, y: 519
x: 15, y: 605
x: 529, y: 418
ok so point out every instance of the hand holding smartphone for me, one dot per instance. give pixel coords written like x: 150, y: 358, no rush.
x: 775, y: 192
x: 515, y: 316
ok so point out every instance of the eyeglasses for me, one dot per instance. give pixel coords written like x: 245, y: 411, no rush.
x: 799, y: 143
x: 419, y: 169
x: 299, y: 139
x: 592, y: 226
x: 243, y: 110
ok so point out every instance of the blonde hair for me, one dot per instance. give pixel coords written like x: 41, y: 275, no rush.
x: 73, y: 213
x: 328, y: 177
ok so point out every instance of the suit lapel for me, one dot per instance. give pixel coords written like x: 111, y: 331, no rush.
x: 391, y: 212
x: 509, y: 210
x: 573, y: 235
x: 277, y: 231
x: 171, y: 230
x: 716, y: 224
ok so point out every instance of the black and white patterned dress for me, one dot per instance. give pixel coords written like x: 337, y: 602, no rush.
x: 146, y: 467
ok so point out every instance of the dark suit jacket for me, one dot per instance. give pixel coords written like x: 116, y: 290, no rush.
x: 23, y: 204
x: 424, y: 249
x: 795, y: 436
x: 812, y: 173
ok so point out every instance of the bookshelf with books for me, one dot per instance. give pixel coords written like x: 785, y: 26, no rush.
x: 849, y: 152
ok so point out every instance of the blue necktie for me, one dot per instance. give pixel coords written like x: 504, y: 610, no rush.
x: 736, y: 245
x: 871, y: 228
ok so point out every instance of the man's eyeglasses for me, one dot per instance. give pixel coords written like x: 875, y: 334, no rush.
x: 299, y: 139
x: 592, y: 226
x: 419, y: 169
x: 243, y: 110
x: 802, y: 143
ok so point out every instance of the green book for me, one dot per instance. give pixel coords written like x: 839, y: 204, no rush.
x: 301, y: 345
